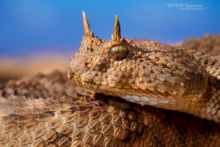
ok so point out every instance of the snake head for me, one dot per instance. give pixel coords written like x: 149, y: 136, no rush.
x: 141, y: 71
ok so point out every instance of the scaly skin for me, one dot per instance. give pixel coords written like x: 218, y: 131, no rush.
x: 148, y: 73
x: 51, y: 111
x: 207, y: 50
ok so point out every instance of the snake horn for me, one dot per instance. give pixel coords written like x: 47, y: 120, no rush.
x: 117, y: 30
x: 88, y: 31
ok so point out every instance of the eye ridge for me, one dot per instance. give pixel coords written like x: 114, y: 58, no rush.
x: 118, y: 52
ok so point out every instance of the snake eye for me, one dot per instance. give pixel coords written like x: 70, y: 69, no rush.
x: 118, y: 52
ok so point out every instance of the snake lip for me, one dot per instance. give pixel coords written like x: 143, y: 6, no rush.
x: 129, y: 94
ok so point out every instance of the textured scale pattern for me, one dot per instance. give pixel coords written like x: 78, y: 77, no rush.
x: 58, y: 113
x: 207, y: 50
x: 147, y: 72
x: 50, y: 110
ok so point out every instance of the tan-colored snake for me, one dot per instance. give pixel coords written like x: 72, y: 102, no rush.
x: 50, y: 110
x: 148, y: 73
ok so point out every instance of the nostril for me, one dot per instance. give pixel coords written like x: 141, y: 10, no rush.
x: 89, y: 49
x: 87, y: 64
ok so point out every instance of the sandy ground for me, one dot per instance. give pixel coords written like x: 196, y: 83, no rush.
x: 14, y: 68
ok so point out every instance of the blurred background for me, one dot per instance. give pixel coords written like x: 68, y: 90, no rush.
x: 40, y: 35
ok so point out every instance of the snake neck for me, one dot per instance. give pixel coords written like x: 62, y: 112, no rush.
x: 211, y: 101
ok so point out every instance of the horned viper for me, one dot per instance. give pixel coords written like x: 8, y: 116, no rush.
x: 148, y: 73
x: 50, y: 110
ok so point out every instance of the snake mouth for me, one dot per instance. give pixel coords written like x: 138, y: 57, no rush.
x: 129, y: 94
x: 165, y: 101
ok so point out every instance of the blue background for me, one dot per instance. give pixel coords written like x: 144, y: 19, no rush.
x: 38, y: 26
